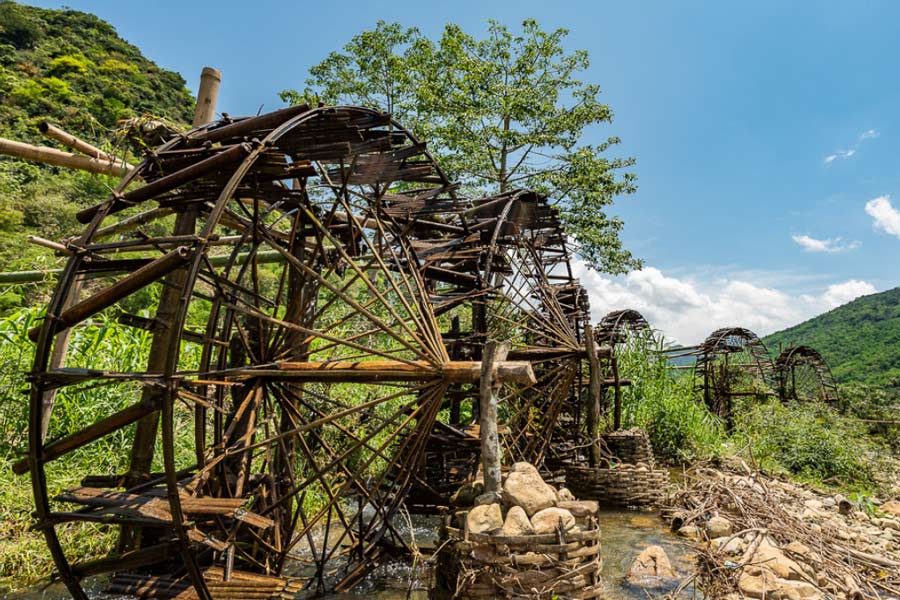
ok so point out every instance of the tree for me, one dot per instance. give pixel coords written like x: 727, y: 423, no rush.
x: 502, y: 112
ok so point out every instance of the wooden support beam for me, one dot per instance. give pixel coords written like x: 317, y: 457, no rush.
x: 517, y: 372
x: 207, y: 95
x: 494, y: 354
x: 89, y: 434
x: 140, y: 278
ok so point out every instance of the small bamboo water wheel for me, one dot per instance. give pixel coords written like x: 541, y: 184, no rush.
x: 803, y: 376
x: 732, y: 362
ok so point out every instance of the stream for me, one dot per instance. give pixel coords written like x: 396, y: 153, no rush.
x: 625, y: 534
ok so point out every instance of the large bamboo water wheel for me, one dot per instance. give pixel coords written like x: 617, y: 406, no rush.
x: 296, y: 364
x: 732, y: 362
x: 803, y: 376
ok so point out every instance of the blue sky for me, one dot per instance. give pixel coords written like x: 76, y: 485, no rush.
x: 731, y: 109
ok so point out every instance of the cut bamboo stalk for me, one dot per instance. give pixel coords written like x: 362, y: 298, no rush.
x: 69, y: 140
x: 58, y: 158
x: 207, y: 96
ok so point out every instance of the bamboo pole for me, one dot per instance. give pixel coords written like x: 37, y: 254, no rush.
x: 207, y: 95
x: 58, y: 158
x: 67, y: 139
x: 494, y: 353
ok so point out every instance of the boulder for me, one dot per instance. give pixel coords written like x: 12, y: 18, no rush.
x: 651, y: 563
x: 547, y: 520
x: 755, y: 582
x: 718, y: 527
x: 466, y: 494
x: 891, y: 507
x: 484, y: 519
x: 516, y: 523
x: 524, y: 487
x: 580, y: 509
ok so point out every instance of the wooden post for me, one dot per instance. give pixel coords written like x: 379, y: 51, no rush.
x: 595, y: 396
x: 185, y: 224
x: 67, y: 139
x: 207, y: 95
x: 493, y: 353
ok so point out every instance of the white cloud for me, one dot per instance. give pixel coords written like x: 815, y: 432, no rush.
x: 842, y: 293
x: 687, y: 311
x: 865, y: 135
x: 887, y: 218
x: 832, y: 246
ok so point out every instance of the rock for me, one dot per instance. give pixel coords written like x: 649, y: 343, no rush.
x: 829, y: 502
x: 755, y: 582
x: 718, y: 527
x: 516, y: 523
x: 580, y: 509
x: 652, y: 562
x: 733, y: 546
x: 547, y: 520
x: 466, y: 494
x: 773, y: 559
x: 488, y: 498
x: 484, y: 519
x: 798, y: 549
x: 564, y: 495
x: 891, y: 507
x: 689, y: 531
x: 524, y: 487
x: 813, y: 504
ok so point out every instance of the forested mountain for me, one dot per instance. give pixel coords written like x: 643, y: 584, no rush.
x: 860, y: 340
x: 72, y: 69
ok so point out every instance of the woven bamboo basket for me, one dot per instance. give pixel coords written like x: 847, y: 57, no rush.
x: 564, y: 565
x: 625, y: 484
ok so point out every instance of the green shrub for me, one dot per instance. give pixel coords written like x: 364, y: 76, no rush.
x: 16, y: 27
x: 810, y: 440
x: 63, y: 65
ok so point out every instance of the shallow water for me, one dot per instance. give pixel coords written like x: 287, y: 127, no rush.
x: 625, y: 534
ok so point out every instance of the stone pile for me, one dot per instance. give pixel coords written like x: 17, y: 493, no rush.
x: 529, y: 541
x: 780, y: 540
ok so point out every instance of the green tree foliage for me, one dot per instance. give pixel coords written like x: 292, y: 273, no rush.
x: 860, y: 341
x: 72, y: 69
x: 505, y: 111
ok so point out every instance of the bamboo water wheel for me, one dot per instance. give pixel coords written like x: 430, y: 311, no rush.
x: 295, y: 367
x: 732, y: 362
x: 803, y: 376
x: 499, y: 268
x: 624, y: 331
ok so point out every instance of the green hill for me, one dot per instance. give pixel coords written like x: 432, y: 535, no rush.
x: 72, y: 69
x: 860, y: 340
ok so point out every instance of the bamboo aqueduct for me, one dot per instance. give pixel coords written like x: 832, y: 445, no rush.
x: 324, y: 311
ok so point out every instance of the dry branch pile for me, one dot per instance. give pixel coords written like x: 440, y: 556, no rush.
x: 788, y: 541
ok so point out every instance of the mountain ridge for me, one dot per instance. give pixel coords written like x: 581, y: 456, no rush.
x: 859, y: 340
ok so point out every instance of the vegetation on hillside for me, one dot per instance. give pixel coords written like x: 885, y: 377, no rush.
x: 72, y: 69
x: 860, y: 340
